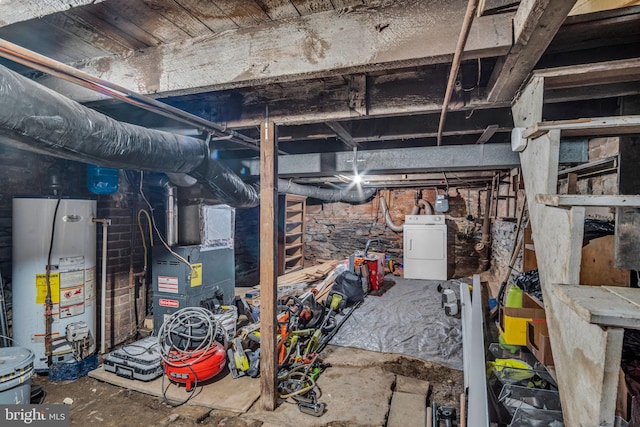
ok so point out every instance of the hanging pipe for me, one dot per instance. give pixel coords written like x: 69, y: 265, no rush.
x: 484, y: 246
x: 416, y: 209
x: 103, y: 309
x: 172, y: 215
x: 455, y: 66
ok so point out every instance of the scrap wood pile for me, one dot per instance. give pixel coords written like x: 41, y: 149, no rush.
x: 306, y: 323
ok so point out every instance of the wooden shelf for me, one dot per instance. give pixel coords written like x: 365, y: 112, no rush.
x: 291, y: 236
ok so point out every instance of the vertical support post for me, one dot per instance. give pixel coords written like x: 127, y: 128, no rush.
x: 268, y: 263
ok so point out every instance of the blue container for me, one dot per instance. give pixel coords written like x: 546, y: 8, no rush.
x: 16, y: 371
x: 101, y: 180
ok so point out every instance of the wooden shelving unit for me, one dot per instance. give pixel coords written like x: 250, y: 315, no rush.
x: 291, y: 233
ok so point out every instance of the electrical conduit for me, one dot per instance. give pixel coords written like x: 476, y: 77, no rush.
x: 103, y: 285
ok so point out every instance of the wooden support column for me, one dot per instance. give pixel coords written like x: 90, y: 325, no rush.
x: 268, y: 263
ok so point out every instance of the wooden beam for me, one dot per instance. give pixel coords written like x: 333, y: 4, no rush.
x: 487, y: 133
x: 534, y: 25
x: 342, y: 134
x: 268, y: 264
x: 598, y: 126
x: 569, y: 200
x: 12, y: 12
x: 602, y: 305
x: 316, y: 45
x: 599, y: 73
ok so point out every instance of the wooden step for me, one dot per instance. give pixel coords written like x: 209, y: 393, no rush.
x: 569, y: 200
x: 595, y: 126
x: 603, y: 305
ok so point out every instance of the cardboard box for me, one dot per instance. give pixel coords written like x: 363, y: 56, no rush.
x: 538, y: 342
x: 513, y: 321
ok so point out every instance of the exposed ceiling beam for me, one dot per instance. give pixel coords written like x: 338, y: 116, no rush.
x: 535, y: 24
x: 24, y: 10
x: 410, y: 160
x: 312, y: 46
x: 342, y: 134
x: 487, y: 134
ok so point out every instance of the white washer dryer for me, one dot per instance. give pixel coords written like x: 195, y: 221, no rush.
x: 425, y: 247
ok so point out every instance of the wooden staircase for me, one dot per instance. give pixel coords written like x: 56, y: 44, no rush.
x: 586, y: 323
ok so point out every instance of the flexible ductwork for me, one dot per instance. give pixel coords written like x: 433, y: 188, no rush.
x: 37, y: 119
x: 416, y: 209
x: 326, y: 194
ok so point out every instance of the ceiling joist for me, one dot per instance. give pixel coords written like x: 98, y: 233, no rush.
x: 312, y: 46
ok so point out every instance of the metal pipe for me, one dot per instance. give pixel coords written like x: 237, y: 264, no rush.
x: 172, y: 215
x: 103, y: 304
x: 387, y: 215
x: 63, y: 71
x: 455, y: 66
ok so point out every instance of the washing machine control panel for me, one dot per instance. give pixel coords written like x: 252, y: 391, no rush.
x: 424, y: 219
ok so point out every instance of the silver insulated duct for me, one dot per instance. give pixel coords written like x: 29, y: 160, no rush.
x: 38, y: 119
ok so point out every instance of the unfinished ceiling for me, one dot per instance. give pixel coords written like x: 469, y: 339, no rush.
x: 336, y: 74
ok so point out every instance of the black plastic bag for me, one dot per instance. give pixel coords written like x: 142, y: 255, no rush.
x: 349, y: 284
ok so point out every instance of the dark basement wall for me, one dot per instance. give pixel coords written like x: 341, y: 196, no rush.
x: 337, y: 230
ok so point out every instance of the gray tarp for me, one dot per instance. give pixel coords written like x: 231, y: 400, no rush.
x: 407, y: 319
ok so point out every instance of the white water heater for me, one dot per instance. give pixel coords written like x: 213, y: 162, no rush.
x: 72, y: 276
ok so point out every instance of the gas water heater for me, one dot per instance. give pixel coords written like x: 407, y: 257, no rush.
x: 63, y: 227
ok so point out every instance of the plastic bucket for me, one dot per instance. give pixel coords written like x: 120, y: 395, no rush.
x: 16, y: 370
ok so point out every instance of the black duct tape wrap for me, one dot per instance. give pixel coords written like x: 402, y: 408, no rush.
x: 226, y: 185
x: 35, y: 118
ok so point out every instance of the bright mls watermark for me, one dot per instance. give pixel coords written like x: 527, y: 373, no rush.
x: 34, y: 415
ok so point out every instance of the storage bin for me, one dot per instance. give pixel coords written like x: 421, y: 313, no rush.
x: 16, y: 370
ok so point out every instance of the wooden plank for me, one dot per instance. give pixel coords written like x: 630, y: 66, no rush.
x: 535, y: 24
x: 145, y: 20
x: 179, y: 17
x: 12, y: 12
x: 78, y: 28
x: 244, y: 13
x: 224, y: 393
x: 209, y: 14
x: 630, y: 294
x: 313, y: 46
x: 121, y: 22
x: 597, y: 126
x: 103, y: 27
x: 342, y: 134
x: 598, y: 264
x: 268, y: 264
x: 278, y: 9
x: 568, y: 200
x: 306, y: 7
x: 592, y: 6
x: 599, y: 73
x: 600, y: 306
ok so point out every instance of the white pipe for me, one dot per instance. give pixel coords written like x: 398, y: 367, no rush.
x: 103, y: 309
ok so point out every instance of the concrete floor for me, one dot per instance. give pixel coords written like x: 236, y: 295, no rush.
x: 357, y: 390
